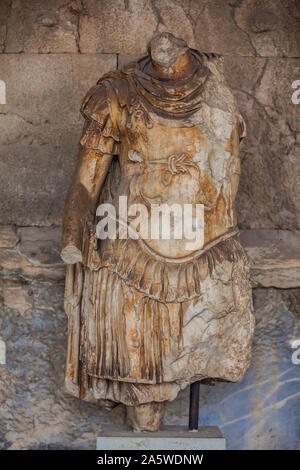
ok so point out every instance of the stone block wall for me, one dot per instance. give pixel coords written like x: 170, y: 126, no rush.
x: 51, y: 52
x: 54, y: 50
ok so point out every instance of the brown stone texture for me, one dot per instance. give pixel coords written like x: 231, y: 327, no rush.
x: 40, y: 127
x: 116, y: 26
x: 41, y: 26
x: 8, y: 236
x: 268, y: 28
x: 274, y: 257
x: 5, y: 10
x: 272, y: 26
x: 30, y: 253
x: 268, y: 195
x: 40, y: 123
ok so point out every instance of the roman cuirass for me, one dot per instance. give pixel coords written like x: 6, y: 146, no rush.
x: 193, y: 159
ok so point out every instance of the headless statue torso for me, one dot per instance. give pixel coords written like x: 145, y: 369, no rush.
x: 151, y: 315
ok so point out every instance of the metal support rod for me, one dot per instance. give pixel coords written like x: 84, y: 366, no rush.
x: 194, y: 406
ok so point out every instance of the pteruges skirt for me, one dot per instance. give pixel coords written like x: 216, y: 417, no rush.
x: 141, y: 330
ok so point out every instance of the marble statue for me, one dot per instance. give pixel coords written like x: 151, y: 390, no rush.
x: 147, y: 317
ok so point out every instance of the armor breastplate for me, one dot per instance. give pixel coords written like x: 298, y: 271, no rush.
x: 181, y: 165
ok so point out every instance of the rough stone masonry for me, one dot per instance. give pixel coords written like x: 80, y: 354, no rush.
x: 46, y: 48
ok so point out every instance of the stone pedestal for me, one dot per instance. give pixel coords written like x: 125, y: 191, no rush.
x: 114, y: 437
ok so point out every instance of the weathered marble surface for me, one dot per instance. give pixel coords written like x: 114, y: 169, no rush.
x: 259, y: 412
x: 148, y: 316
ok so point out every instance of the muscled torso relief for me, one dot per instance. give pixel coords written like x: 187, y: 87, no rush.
x: 149, y: 315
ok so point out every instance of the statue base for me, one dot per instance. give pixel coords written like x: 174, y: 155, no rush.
x: 115, y: 437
